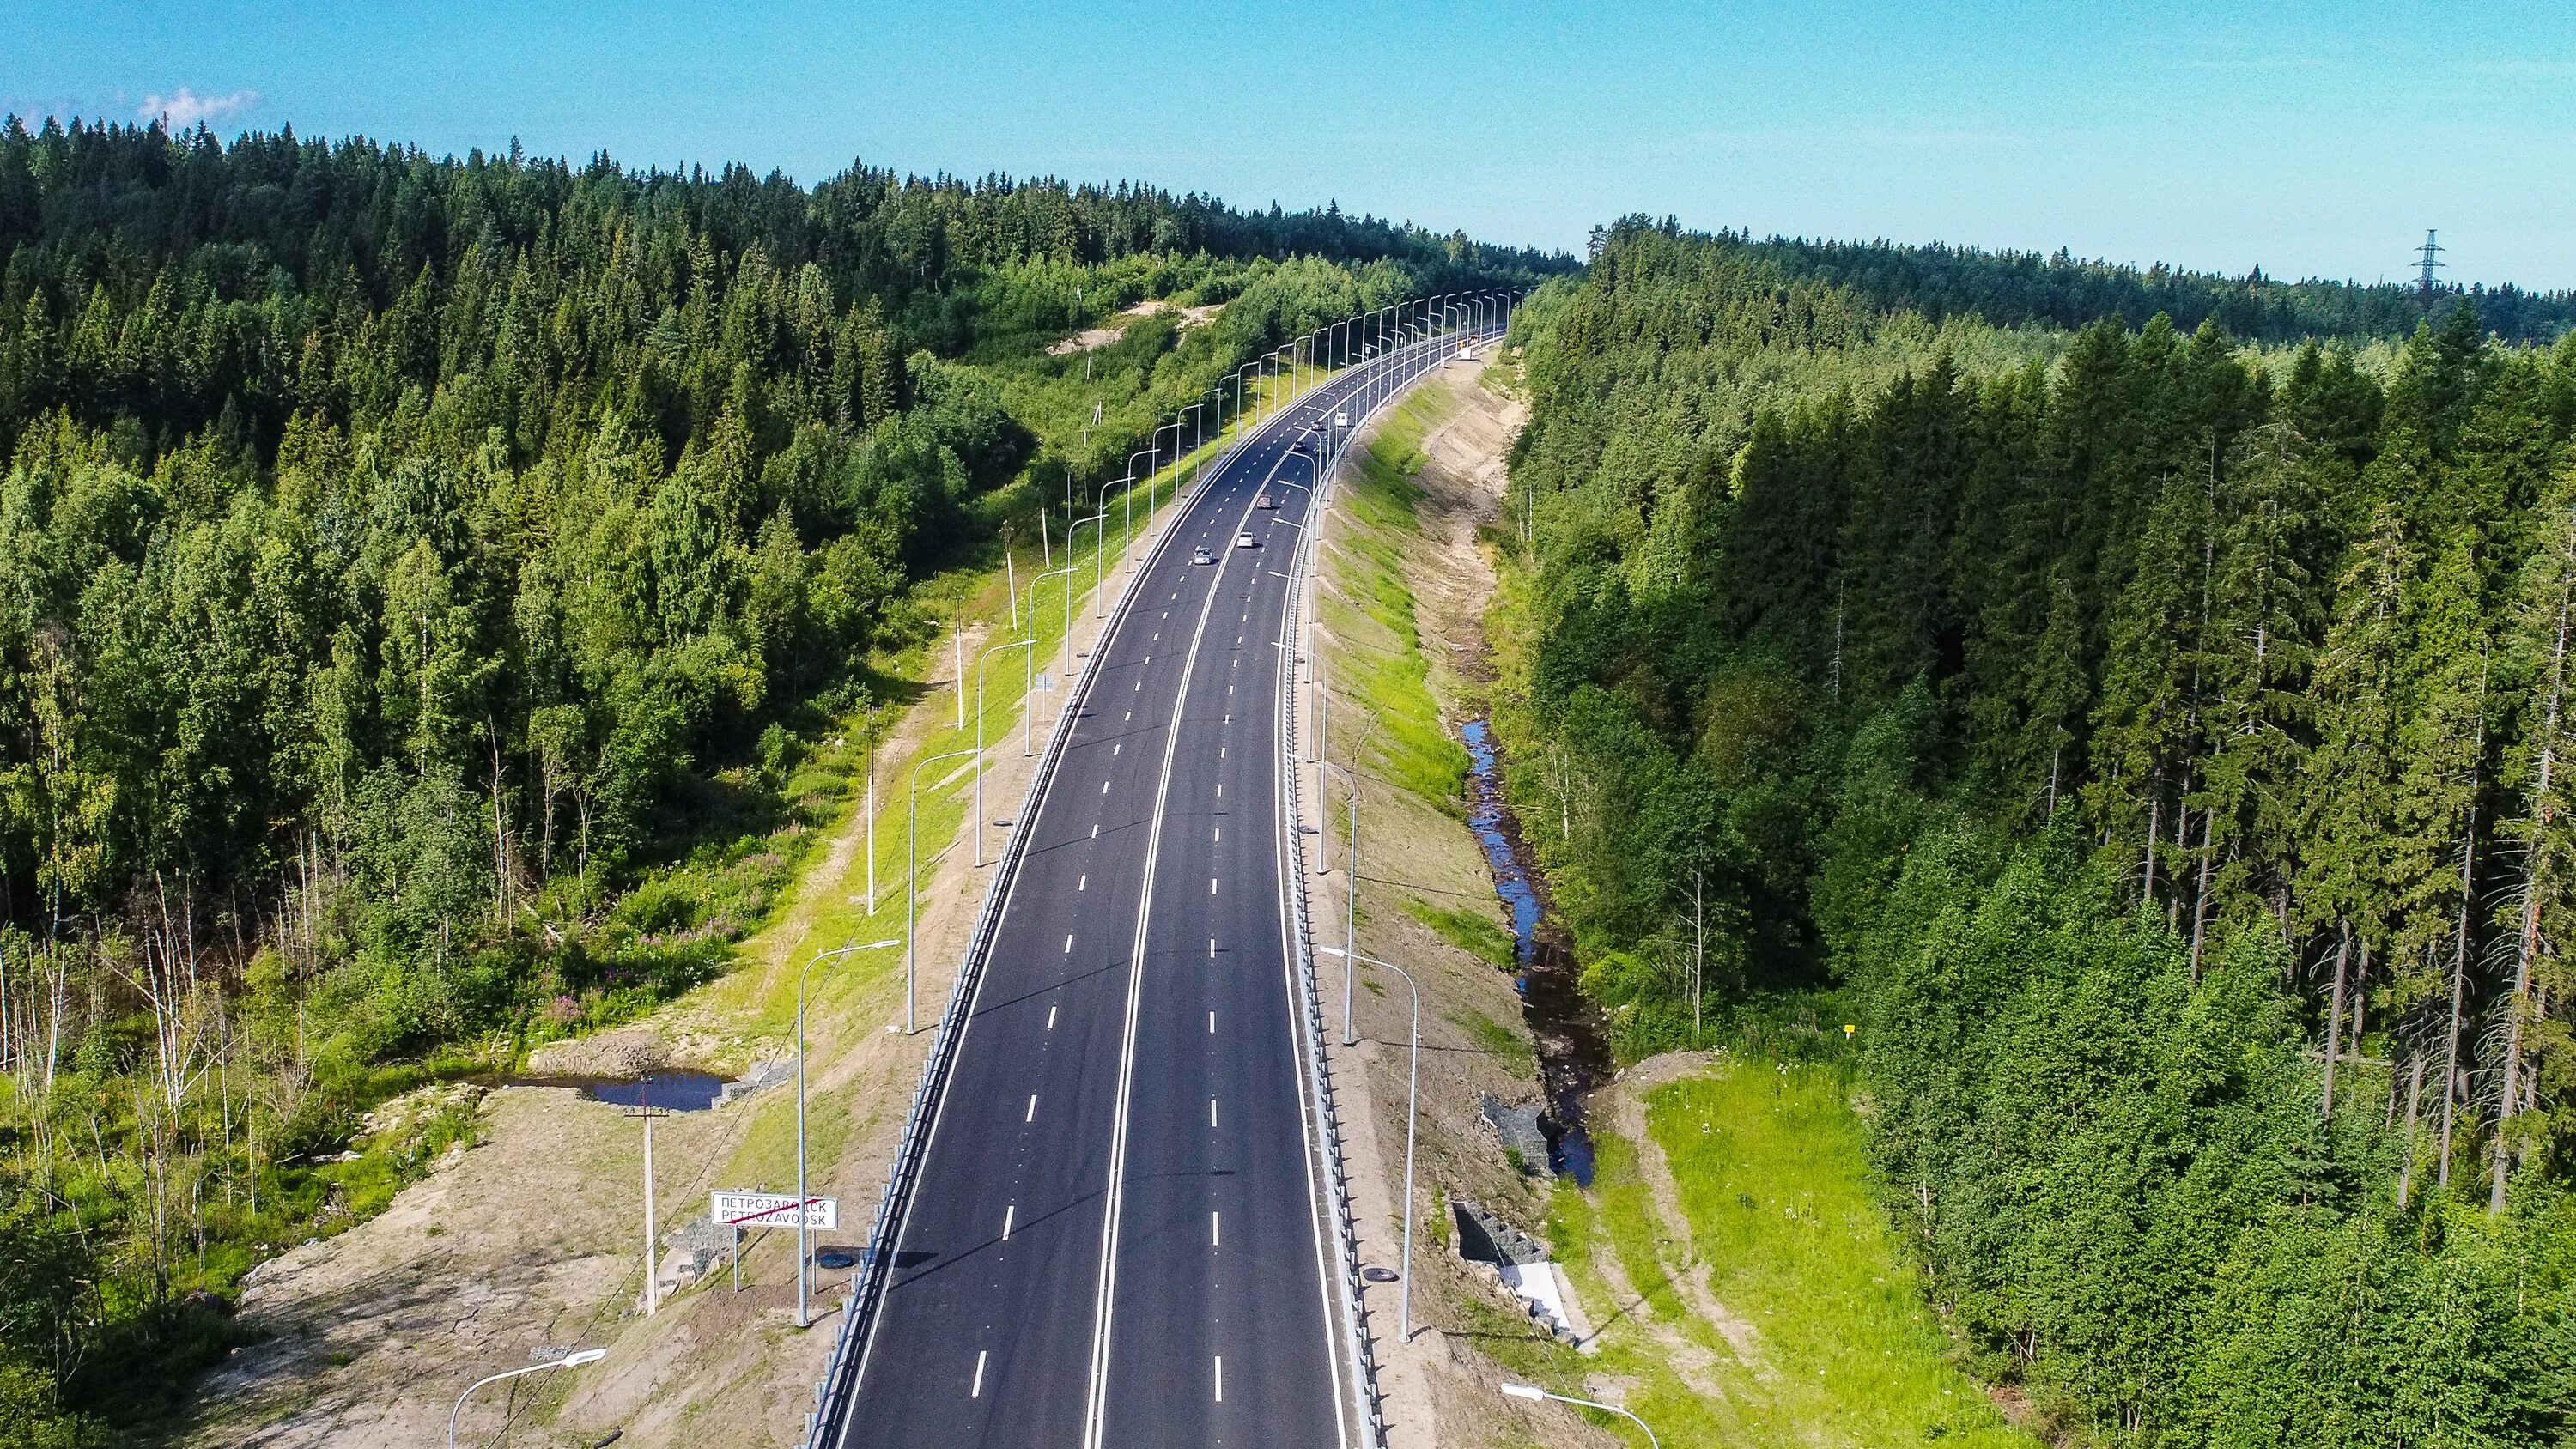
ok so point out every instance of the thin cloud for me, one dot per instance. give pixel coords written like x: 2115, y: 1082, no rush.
x: 183, y: 107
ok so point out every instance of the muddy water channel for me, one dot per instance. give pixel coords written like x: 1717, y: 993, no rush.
x: 1571, y: 1055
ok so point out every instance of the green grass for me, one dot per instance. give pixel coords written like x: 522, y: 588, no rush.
x: 1774, y: 1185
x: 1475, y: 932
x: 1392, y: 682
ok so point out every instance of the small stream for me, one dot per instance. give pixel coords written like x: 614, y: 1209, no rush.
x: 1571, y: 1056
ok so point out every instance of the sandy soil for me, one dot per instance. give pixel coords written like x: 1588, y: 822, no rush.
x: 532, y: 1242
x: 1093, y: 337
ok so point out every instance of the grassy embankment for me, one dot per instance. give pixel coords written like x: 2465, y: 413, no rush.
x: 1387, y: 695
x: 1761, y: 1296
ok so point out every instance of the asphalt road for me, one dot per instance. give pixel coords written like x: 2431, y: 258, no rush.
x: 1119, y: 1233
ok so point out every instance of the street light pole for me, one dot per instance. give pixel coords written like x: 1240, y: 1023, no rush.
x: 987, y: 658
x: 1067, y: 571
x: 912, y: 880
x: 1534, y: 1392
x: 1412, y: 1115
x: 570, y: 1360
x: 1099, y: 565
x: 803, y: 1319
x: 1350, y: 867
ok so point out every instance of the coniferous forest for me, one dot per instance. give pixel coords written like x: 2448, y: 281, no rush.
x: 2140, y: 702
x: 401, y: 558
x: 2156, y: 742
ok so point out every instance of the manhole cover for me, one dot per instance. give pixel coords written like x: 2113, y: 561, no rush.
x: 1379, y: 1275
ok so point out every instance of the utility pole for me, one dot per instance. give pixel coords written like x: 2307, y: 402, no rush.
x: 872, y: 808
x: 652, y: 1269
x: 1010, y: 578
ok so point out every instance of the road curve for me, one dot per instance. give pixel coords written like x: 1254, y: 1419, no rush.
x: 1117, y: 1235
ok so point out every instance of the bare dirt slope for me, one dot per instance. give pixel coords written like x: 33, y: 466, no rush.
x: 1095, y: 337
x: 533, y: 1241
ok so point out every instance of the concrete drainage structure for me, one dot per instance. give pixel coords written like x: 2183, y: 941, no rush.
x: 1519, y: 1266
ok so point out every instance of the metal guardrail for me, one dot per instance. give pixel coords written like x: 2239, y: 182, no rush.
x: 1367, y: 1401
x: 833, y: 1390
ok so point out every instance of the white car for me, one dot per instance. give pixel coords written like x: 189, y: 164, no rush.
x: 1241, y: 540
x: 1264, y: 501
x: 1197, y: 556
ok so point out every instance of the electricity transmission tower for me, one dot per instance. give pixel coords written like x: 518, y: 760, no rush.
x: 2425, y: 263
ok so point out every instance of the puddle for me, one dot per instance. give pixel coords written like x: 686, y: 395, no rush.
x: 668, y: 1091
x: 1572, y: 1058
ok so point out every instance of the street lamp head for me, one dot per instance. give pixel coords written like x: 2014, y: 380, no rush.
x: 879, y: 945
x: 576, y: 1360
x: 1523, y: 1391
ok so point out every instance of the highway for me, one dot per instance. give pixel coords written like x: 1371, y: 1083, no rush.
x: 1118, y: 1232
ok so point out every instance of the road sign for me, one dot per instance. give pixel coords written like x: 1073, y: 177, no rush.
x: 1046, y: 682
x: 773, y: 1210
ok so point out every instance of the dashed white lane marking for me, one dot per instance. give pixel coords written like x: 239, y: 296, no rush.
x: 1211, y: 1110
x: 1120, y: 746
x: 1068, y: 943
x: 1009, y: 1212
x: 1211, y: 885
x: 1216, y: 1230
x: 1219, y: 834
x: 1211, y: 956
x: 1095, y: 830
x: 1140, y: 684
x: 1050, y: 1018
x: 1104, y: 787
x: 1220, y: 792
x: 1220, y: 752
x: 1157, y: 636
x: 1220, y: 1378
x: 977, y: 1391
x: 1083, y: 881
x: 1211, y: 1023
x: 1131, y: 714
x: 1031, y: 1115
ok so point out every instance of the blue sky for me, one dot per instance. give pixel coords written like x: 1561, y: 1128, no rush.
x: 2313, y: 139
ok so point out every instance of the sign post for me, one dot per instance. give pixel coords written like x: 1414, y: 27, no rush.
x: 739, y: 1210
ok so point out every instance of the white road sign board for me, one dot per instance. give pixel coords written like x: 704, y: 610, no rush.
x: 774, y: 1210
